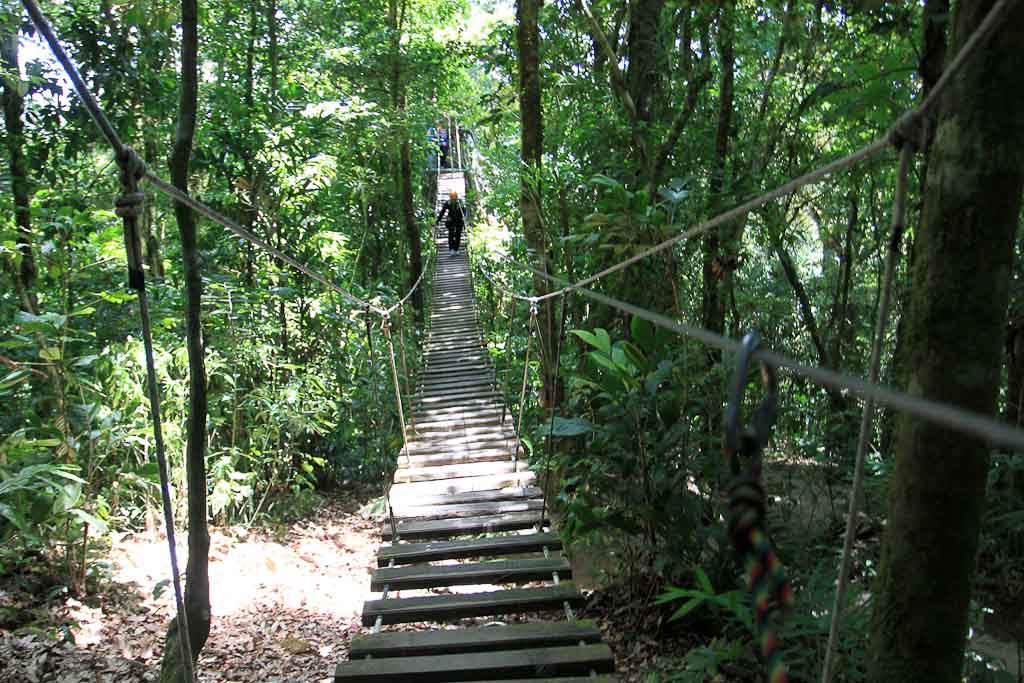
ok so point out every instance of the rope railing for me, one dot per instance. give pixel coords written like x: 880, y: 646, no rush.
x: 991, y: 431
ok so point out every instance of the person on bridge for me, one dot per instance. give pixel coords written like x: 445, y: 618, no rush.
x: 455, y: 222
x: 443, y: 143
x: 433, y: 148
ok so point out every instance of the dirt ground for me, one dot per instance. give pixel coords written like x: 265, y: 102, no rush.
x: 285, y: 604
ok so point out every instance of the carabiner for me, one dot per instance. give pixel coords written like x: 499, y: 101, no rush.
x: 751, y: 440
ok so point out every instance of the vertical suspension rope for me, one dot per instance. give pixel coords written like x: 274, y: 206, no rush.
x: 522, y: 393
x: 559, y: 341
x: 129, y: 206
x: 508, y: 354
x: 867, y: 417
x: 398, y: 390
x: 405, y: 367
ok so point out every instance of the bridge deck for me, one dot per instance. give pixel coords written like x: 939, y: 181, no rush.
x: 472, y: 542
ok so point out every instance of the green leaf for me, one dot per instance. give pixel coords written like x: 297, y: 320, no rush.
x: 689, y: 606
x: 703, y: 581
x: 571, y: 426
x: 51, y: 353
x: 606, y: 361
x: 92, y: 520
x: 13, y: 379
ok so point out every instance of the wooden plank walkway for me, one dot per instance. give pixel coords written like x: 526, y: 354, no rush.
x: 471, y: 539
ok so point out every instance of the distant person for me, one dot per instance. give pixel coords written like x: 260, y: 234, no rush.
x: 442, y: 141
x: 434, y: 147
x: 455, y: 222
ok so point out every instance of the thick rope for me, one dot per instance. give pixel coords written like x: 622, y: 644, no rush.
x: 991, y: 431
x: 867, y: 417
x: 129, y: 207
x: 766, y: 578
x: 416, y: 284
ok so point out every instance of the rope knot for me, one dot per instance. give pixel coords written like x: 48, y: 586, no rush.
x: 133, y: 168
x: 129, y: 205
x: 907, y: 130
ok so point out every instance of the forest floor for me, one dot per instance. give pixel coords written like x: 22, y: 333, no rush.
x: 285, y: 600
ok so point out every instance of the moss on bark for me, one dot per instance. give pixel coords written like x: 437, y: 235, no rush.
x: 961, y: 275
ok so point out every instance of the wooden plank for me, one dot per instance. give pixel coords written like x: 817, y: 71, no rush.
x: 501, y: 507
x: 469, y: 411
x: 457, y: 456
x: 439, y: 429
x: 414, y: 506
x: 493, y: 438
x: 475, y: 666
x: 499, y: 546
x: 478, y: 639
x: 477, y: 394
x: 448, y: 607
x: 477, y: 573
x: 471, y: 417
x: 463, y: 526
x: 443, y: 425
x: 405, y: 492
x: 440, y: 472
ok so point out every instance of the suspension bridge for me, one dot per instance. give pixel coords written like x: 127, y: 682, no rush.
x: 468, y: 528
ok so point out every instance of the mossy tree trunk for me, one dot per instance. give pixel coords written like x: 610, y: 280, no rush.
x: 962, y: 269
x: 531, y: 149
x: 396, y: 23
x: 197, y: 577
x: 14, y: 107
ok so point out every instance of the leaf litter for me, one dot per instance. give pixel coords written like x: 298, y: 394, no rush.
x: 285, y: 602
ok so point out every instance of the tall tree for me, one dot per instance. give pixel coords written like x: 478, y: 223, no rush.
x: 715, y: 262
x: 531, y: 150
x: 962, y: 270
x: 14, y: 108
x: 396, y: 22
x: 197, y: 577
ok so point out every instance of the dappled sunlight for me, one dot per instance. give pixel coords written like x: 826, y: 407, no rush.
x: 285, y: 600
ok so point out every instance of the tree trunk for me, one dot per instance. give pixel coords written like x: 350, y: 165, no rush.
x: 714, y: 265
x: 14, y: 107
x: 643, y: 79
x: 935, y: 21
x: 250, y: 212
x: 955, y: 330
x: 197, y: 579
x: 396, y: 20
x: 531, y: 149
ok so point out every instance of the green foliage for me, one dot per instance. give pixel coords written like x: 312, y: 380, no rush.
x: 628, y: 474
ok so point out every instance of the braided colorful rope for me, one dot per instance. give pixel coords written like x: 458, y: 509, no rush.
x: 766, y: 577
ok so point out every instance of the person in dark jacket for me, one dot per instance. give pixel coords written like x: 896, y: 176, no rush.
x: 455, y: 222
x: 443, y: 143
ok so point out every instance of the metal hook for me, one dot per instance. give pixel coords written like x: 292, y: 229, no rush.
x: 755, y: 436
